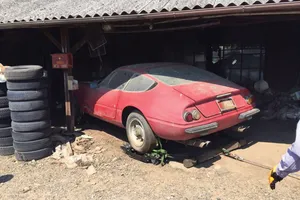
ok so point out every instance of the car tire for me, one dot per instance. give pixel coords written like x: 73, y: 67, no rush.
x: 6, y: 141
x: 25, y: 72
x: 29, y: 95
x: 30, y: 116
x: 33, y: 155
x: 5, y: 123
x: 29, y: 136
x: 4, y: 113
x: 32, y: 145
x: 30, y: 126
x: 6, y: 151
x: 3, y: 102
x: 5, y: 132
x: 149, y: 140
x: 28, y: 105
x: 27, y: 85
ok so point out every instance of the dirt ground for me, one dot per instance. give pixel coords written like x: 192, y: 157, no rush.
x: 120, y: 177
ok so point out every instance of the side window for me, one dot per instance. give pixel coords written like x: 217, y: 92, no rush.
x: 105, y: 82
x: 119, y: 80
x: 140, y: 83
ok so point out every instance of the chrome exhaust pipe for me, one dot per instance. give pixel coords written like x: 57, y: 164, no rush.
x: 196, y: 143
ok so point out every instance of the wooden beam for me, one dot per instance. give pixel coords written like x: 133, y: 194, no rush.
x: 53, y: 40
x: 65, y: 48
x: 78, y: 45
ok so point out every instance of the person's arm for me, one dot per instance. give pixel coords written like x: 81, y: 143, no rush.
x: 289, y: 163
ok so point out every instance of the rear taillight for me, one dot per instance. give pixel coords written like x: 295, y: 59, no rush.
x: 189, y: 116
x: 196, y: 114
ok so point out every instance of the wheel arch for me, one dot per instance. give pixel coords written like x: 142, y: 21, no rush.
x: 126, y: 112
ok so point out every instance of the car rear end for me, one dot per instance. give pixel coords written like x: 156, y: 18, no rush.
x: 218, y: 104
x: 217, y: 113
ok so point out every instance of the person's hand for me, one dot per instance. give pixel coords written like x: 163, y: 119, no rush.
x: 273, y: 178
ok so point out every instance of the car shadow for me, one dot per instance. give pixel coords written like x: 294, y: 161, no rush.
x: 272, y: 131
x: 282, y: 132
x: 90, y: 122
x: 178, y: 151
x: 6, y: 178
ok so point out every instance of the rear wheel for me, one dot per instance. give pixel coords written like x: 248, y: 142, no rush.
x: 139, y: 133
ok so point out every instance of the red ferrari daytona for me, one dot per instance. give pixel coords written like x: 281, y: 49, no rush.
x: 170, y: 100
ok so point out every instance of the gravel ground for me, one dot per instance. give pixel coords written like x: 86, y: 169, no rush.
x: 120, y: 177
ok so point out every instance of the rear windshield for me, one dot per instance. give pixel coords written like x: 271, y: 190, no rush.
x: 178, y: 75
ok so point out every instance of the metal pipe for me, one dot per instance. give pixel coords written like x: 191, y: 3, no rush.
x: 170, y: 29
x: 253, y: 14
x: 236, y: 157
x: 196, y: 143
x: 251, y: 9
x: 242, y: 59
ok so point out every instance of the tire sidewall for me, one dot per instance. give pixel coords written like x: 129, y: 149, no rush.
x: 149, y: 140
x: 24, y: 72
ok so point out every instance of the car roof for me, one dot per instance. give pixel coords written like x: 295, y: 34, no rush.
x: 143, y: 67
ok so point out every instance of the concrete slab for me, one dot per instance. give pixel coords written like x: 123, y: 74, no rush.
x: 269, y: 140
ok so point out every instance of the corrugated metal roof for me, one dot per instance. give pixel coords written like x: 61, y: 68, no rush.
x: 41, y: 10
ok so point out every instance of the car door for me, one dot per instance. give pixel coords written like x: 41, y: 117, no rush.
x: 108, y: 94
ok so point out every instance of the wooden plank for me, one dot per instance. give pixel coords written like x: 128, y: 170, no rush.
x: 65, y: 48
x: 53, y: 40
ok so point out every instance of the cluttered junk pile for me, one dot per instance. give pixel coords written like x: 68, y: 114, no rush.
x: 277, y: 105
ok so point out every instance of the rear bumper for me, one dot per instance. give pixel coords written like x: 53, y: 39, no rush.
x: 171, y: 131
x: 202, y: 129
x: 249, y: 114
x: 207, y: 128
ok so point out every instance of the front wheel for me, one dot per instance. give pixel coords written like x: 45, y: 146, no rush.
x: 139, y: 133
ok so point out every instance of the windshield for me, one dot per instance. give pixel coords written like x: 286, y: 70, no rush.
x: 178, y: 75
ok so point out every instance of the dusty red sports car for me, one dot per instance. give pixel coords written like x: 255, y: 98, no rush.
x: 169, y: 100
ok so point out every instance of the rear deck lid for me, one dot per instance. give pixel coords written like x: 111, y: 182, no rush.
x: 200, y: 91
x: 215, y: 97
x: 205, y: 88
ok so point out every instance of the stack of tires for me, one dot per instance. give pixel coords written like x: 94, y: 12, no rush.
x: 6, y: 141
x: 27, y: 95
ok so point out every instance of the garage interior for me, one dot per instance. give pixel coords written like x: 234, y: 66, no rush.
x: 241, y: 49
x: 243, y: 53
x: 250, y: 45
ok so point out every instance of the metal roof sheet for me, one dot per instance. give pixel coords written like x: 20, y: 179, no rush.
x: 41, y: 10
